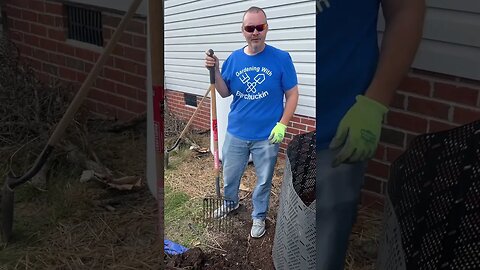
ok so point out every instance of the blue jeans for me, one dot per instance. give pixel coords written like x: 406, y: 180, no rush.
x: 235, y: 155
x: 337, y: 197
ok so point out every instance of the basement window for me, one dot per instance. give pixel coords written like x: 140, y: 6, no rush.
x: 85, y: 25
x: 190, y: 99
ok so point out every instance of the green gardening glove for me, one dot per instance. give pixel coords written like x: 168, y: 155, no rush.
x: 277, y: 134
x: 359, y: 131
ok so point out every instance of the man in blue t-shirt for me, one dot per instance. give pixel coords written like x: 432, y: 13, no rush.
x: 258, y: 76
x: 355, y: 83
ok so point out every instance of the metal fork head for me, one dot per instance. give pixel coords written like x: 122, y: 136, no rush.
x: 223, y: 224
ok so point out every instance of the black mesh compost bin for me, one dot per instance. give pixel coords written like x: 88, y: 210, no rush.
x: 432, y: 211
x: 294, y: 243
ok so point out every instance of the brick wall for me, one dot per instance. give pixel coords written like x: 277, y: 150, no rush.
x: 39, y: 30
x: 424, y: 102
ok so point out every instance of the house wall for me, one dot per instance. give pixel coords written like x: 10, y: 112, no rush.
x: 39, y: 30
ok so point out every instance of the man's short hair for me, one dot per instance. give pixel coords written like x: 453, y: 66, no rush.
x: 254, y: 10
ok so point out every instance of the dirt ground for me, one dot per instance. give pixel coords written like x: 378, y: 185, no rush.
x: 73, y: 225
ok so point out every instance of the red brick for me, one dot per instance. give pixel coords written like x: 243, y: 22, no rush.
x: 124, y: 65
x: 85, y: 54
x: 428, y: 107
x: 40, y: 54
x: 54, y: 8
x: 135, y: 54
x: 125, y: 115
x: 140, y: 42
x: 398, y: 101
x: 407, y: 122
x: 141, y: 69
x: 380, y: 152
x: 126, y: 39
x: 435, y: 126
x: 35, y: 64
x: 310, y: 128
x: 65, y: 49
x: 135, y: 106
x: 462, y: 95
x: 60, y: 22
x: 136, y: 27
x: 20, y: 3
x: 378, y: 169
x: 15, y: 36
x: 118, y: 50
x: 415, y: 85
x: 296, y: 119
x: 307, y: 121
x: 29, y: 15
x: 38, y: 30
x: 114, y: 75
x: 107, y: 98
x: 142, y: 96
x: 31, y: 40
x: 88, y: 67
x: 299, y: 126
x: 464, y: 116
x: 13, y: 11
x: 25, y: 50
x: 136, y: 81
x: 21, y: 25
x: 104, y: 84
x: 373, y: 184
x: 56, y: 34
x: 393, y: 153
x: 46, y: 19
x: 48, y: 44
x: 50, y: 69
x: 38, y: 6
x: 126, y: 91
x: 81, y: 76
x: 74, y: 63
x: 67, y: 74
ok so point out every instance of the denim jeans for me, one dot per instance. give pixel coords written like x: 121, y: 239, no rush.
x: 235, y: 155
x: 337, y: 197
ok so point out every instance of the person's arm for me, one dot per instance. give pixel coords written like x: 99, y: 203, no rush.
x: 291, y: 101
x: 359, y: 130
x: 403, y: 32
x: 220, y: 85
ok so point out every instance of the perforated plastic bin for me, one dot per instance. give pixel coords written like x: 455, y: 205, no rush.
x: 294, y: 243
x: 432, y: 212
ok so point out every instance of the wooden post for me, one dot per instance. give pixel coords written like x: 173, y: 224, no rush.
x: 155, y: 22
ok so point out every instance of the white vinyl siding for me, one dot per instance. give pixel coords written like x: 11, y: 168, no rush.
x: 192, y: 27
x: 451, y: 38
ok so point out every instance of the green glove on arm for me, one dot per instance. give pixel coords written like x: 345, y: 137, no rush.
x: 277, y: 134
x: 359, y: 131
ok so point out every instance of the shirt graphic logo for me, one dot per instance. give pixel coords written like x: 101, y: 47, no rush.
x: 258, y: 79
x: 252, y: 93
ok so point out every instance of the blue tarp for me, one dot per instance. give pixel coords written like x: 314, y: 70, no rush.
x: 172, y: 248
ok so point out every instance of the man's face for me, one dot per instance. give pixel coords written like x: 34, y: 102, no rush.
x: 255, y: 39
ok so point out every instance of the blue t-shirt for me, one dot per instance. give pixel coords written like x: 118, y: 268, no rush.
x: 258, y: 84
x: 346, y: 59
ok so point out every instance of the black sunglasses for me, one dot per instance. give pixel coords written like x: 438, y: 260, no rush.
x: 251, y: 28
